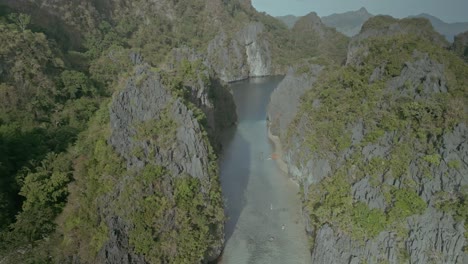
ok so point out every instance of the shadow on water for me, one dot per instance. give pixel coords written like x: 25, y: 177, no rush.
x: 251, y: 98
x: 235, y: 171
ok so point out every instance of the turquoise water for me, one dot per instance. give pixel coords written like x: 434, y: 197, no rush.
x: 262, y: 203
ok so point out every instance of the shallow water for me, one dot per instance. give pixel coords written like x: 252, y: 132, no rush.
x: 263, y: 206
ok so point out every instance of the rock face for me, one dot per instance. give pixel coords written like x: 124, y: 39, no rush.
x: 285, y: 100
x: 145, y: 100
x: 206, y: 92
x: 148, y: 102
x: 433, y: 236
x: 242, y: 55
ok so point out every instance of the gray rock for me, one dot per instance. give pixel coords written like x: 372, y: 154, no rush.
x: 340, y: 249
x: 285, y: 100
x: 145, y: 99
x: 420, y: 78
x: 364, y: 192
x: 241, y: 55
x: 433, y: 236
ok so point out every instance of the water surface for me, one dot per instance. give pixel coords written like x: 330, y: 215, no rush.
x: 265, y: 225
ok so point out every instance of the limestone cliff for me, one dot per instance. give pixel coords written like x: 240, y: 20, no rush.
x: 145, y: 100
x: 245, y: 54
x: 158, y: 196
x: 384, y: 177
x: 285, y: 100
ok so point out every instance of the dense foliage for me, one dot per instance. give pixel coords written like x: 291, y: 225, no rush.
x: 413, y: 122
x: 56, y: 166
x: 44, y: 105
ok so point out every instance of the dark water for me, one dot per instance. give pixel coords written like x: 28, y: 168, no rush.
x: 263, y: 206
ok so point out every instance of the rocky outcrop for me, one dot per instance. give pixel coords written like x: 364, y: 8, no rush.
x: 150, y: 101
x: 285, y: 100
x: 436, y: 235
x: 176, y: 142
x: 207, y: 92
x: 241, y: 55
x: 433, y: 237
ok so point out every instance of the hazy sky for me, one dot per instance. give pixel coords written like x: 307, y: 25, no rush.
x: 447, y: 10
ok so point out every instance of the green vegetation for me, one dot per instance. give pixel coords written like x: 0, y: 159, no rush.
x: 56, y: 165
x: 405, y: 203
x: 412, y: 125
x: 331, y: 202
x: 455, y: 204
x: 160, y: 132
x: 169, y: 229
x: 96, y: 170
x: 304, y: 42
x: 44, y: 106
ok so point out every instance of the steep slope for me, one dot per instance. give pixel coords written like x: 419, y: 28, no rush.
x: 101, y: 182
x: 449, y: 30
x: 348, y: 23
x: 45, y: 104
x: 313, y: 39
x: 242, y: 55
x: 158, y: 200
x: 231, y: 33
x: 137, y: 88
x: 379, y: 147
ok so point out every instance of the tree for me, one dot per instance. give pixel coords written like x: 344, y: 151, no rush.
x: 76, y: 84
x: 21, y: 20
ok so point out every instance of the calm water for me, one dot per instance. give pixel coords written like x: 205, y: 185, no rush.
x: 263, y: 206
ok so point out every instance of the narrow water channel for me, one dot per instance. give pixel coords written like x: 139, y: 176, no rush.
x: 265, y: 225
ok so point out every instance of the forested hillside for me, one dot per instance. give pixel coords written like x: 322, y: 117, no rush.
x: 46, y: 103
x: 98, y: 162
x: 379, y: 147
x: 59, y: 166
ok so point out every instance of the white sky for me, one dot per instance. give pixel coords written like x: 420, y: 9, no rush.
x: 447, y: 10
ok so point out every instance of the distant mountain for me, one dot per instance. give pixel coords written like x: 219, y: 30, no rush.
x: 348, y: 23
x: 289, y: 20
x: 449, y: 30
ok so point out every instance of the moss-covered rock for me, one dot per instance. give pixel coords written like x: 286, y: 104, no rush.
x: 383, y: 129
